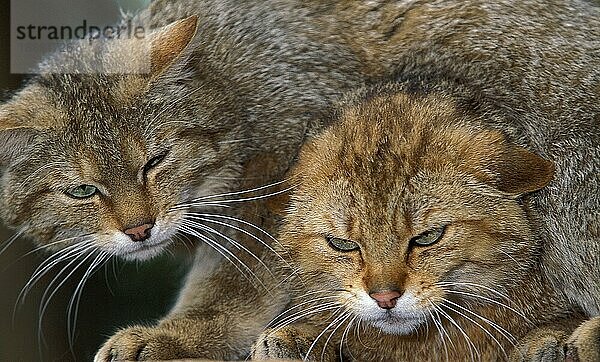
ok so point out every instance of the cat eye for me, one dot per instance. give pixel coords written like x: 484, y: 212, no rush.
x: 429, y: 237
x: 153, y: 162
x: 82, y: 191
x: 342, y: 244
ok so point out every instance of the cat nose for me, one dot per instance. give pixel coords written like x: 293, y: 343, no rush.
x: 140, y: 232
x: 386, y: 299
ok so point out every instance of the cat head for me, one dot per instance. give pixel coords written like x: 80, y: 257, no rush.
x: 100, y: 160
x: 407, y: 204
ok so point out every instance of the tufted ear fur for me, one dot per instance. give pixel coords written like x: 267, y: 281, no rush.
x: 169, y: 42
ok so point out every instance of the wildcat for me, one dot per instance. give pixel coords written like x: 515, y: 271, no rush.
x: 93, y: 162
x: 425, y: 227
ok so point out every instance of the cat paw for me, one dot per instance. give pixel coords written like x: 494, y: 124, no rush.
x: 288, y: 343
x: 584, y: 343
x: 544, y: 345
x: 141, y: 344
x: 279, y: 344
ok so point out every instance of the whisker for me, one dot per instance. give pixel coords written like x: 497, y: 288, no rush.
x: 441, y: 330
x: 476, y: 323
x: 277, y: 183
x: 75, y: 299
x: 289, y: 310
x: 48, y: 264
x: 47, y: 296
x: 345, y: 338
x: 520, y: 314
x: 305, y: 313
x: 207, y: 218
x: 226, y: 253
x: 504, y: 296
x: 11, y: 240
x: 332, y: 323
x: 511, y: 339
x: 42, y: 247
x: 233, y: 242
x: 221, y: 202
x: 340, y: 323
x: 464, y: 334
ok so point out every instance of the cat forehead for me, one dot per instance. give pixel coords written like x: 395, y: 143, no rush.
x: 396, y: 153
x: 95, y: 97
x: 395, y: 136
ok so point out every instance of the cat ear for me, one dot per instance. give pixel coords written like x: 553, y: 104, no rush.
x: 14, y: 139
x: 520, y: 171
x: 169, y: 42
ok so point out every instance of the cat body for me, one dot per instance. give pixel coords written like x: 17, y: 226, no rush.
x: 424, y: 228
x: 232, y: 92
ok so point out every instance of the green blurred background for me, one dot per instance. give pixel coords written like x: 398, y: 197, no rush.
x: 118, y: 295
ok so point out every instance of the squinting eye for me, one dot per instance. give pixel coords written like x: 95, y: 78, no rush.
x: 153, y: 162
x: 82, y: 191
x: 342, y: 244
x: 429, y: 237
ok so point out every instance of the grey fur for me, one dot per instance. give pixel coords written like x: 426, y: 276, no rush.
x: 264, y: 73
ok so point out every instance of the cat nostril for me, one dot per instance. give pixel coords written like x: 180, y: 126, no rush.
x: 139, y: 233
x: 386, y: 299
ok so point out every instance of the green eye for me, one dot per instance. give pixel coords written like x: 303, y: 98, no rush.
x: 82, y: 191
x: 342, y: 244
x: 429, y: 237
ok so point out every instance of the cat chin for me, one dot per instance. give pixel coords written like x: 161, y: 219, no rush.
x: 394, y: 321
x: 145, y: 252
x: 398, y: 326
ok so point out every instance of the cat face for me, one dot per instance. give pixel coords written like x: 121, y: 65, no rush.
x: 406, y: 210
x: 100, y: 162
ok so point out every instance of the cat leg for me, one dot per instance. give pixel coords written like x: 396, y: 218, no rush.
x: 584, y: 343
x: 545, y: 343
x: 219, y: 314
x: 294, y: 342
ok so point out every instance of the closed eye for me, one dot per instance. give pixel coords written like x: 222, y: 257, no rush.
x: 153, y: 162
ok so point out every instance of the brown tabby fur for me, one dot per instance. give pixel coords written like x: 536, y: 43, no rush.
x: 405, y: 158
x: 249, y: 81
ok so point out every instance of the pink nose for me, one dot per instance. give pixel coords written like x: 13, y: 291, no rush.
x: 139, y: 233
x: 386, y: 299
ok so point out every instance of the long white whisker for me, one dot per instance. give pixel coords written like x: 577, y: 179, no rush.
x: 454, y: 291
x: 464, y: 334
x: 49, y: 263
x: 476, y: 323
x: 345, y: 337
x: 240, y: 192
x: 10, y: 241
x: 293, y: 311
x: 441, y: 331
x: 46, y: 298
x: 333, y: 322
x: 511, y: 339
x: 234, y: 243
x: 226, y: 253
x: 207, y: 218
x: 339, y: 324
x: 75, y: 299
x: 221, y: 202
x: 504, y: 296
x: 305, y: 313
